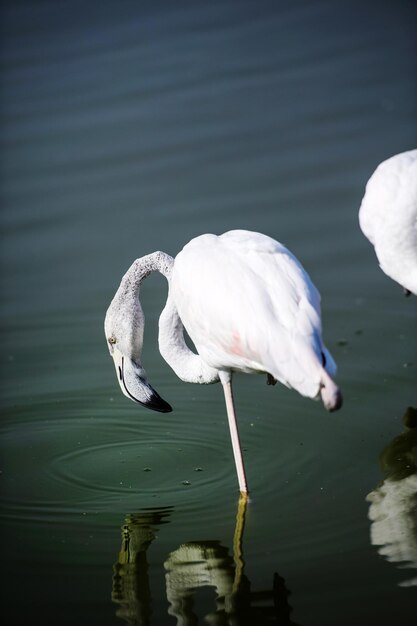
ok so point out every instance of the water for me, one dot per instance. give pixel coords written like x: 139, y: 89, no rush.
x: 131, y: 127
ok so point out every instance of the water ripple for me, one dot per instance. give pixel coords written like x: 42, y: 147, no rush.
x: 148, y: 466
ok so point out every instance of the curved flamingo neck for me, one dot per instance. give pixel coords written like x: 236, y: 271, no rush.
x: 142, y: 267
x: 187, y: 365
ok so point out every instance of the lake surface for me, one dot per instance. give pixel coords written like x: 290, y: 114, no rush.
x: 130, y: 127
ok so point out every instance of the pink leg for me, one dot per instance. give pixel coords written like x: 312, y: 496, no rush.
x: 226, y: 380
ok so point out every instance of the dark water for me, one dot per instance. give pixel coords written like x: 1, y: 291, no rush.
x: 134, y: 126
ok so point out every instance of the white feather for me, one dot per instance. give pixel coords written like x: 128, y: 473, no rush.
x: 388, y: 217
x: 248, y: 305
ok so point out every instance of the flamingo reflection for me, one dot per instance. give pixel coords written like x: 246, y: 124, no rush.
x: 131, y: 590
x: 393, y: 504
x: 192, y: 567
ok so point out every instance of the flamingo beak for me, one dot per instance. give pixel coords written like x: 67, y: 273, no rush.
x: 134, y: 384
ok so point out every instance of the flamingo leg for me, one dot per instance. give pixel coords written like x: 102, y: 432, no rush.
x: 226, y: 380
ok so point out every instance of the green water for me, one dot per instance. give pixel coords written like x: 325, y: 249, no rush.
x: 131, y: 127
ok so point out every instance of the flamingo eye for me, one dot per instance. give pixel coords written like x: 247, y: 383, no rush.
x: 112, y: 340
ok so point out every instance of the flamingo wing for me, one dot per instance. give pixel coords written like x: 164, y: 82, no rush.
x: 248, y: 305
x: 388, y: 217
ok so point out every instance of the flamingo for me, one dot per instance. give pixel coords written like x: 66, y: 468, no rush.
x: 388, y: 217
x: 248, y: 306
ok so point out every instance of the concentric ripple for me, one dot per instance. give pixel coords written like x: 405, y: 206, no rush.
x: 100, y: 463
x: 148, y: 466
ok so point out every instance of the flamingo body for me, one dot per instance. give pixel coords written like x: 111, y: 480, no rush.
x: 388, y: 217
x: 247, y: 304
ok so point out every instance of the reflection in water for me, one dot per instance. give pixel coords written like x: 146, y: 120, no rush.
x: 193, y: 566
x: 130, y: 574
x: 189, y: 568
x: 393, y: 509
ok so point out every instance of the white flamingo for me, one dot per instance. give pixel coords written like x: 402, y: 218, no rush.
x: 388, y: 217
x: 247, y: 304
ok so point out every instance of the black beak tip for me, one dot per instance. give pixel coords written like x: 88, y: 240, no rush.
x: 163, y: 407
x: 156, y: 403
